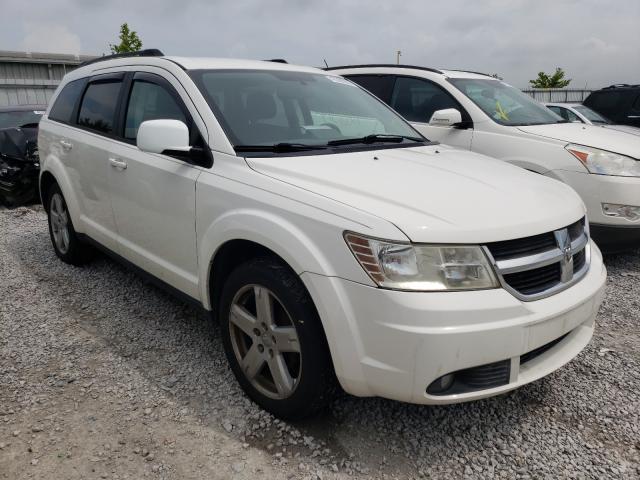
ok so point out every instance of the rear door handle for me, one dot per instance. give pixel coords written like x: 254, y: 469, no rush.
x: 117, y: 163
x: 633, y: 116
x: 66, y: 145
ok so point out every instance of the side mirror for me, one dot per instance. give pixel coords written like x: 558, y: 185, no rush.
x: 445, y: 118
x: 157, y: 136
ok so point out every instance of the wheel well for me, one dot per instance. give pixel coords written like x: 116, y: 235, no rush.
x: 229, y: 256
x: 47, y: 180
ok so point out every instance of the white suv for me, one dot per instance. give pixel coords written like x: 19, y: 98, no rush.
x: 480, y: 113
x: 329, y: 238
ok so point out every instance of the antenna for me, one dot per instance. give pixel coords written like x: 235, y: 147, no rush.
x: 325, y: 62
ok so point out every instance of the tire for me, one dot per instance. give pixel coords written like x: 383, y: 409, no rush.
x: 290, y: 337
x: 68, y: 247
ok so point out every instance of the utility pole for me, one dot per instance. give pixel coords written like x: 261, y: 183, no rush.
x: 398, y: 55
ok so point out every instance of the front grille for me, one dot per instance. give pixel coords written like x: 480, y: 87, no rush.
x: 534, y: 281
x: 522, y: 246
x: 579, y: 259
x: 527, y: 357
x: 537, y: 266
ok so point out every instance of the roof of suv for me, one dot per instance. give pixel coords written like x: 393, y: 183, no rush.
x: 156, y: 57
x: 450, y: 73
x: 563, y: 104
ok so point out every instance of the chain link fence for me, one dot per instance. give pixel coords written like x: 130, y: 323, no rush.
x: 557, y: 95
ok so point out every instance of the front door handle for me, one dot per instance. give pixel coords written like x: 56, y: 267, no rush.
x: 66, y: 145
x: 117, y: 163
x: 633, y: 116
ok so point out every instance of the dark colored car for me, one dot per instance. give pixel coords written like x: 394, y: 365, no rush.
x: 618, y: 103
x: 19, y: 160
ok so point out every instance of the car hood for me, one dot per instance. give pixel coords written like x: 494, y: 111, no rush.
x: 624, y: 128
x: 434, y: 193
x: 589, y: 136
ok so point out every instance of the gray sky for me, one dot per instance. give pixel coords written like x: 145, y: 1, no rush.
x: 596, y: 42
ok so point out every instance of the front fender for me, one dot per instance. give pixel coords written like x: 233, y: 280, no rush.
x: 293, y: 245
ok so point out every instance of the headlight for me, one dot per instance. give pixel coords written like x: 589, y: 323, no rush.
x: 602, y: 162
x: 405, y: 266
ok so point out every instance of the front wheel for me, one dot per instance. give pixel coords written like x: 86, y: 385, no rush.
x: 274, y: 341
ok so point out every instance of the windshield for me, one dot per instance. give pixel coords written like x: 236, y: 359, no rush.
x: 19, y: 118
x: 504, y: 104
x: 285, y: 109
x: 590, y: 114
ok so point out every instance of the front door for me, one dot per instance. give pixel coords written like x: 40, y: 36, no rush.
x: 416, y: 99
x: 153, y: 195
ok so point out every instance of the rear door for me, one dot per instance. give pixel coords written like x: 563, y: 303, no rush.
x: 86, y: 140
x: 153, y: 194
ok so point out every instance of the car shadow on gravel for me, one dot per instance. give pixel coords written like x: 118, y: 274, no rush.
x: 178, y: 349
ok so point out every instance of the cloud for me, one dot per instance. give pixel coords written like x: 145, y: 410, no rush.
x: 44, y: 37
x: 515, y: 38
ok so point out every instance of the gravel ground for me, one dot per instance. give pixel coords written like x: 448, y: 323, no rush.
x: 104, y: 376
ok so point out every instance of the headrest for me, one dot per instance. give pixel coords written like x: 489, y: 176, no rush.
x: 260, y: 106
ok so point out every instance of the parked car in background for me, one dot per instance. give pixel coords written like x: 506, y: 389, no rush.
x: 329, y: 237
x: 576, y: 112
x: 618, y: 103
x: 477, y: 112
x: 19, y: 160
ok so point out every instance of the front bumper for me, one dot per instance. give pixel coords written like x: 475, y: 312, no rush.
x: 598, y: 189
x: 394, y: 344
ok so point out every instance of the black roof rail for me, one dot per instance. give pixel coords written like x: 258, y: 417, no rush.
x: 470, y: 71
x: 149, y: 52
x: 621, y: 85
x: 387, y: 65
x: 276, y: 60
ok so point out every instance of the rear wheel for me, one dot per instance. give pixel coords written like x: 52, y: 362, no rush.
x: 66, y: 243
x: 274, y: 340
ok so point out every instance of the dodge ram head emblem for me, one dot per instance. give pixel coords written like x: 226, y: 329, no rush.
x: 566, y: 263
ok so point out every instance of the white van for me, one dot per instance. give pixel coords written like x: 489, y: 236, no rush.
x: 478, y: 112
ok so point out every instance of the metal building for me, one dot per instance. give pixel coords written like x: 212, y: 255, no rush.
x: 31, y: 78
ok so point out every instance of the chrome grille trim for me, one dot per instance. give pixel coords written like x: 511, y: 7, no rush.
x: 562, y: 254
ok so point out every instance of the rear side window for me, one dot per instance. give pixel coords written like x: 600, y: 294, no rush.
x: 149, y: 101
x: 62, y: 109
x: 98, y: 107
x: 379, y: 85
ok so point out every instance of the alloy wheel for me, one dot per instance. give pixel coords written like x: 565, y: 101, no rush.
x: 59, y: 223
x: 265, y: 342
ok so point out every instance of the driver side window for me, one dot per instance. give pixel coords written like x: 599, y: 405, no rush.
x: 417, y: 99
x: 150, y: 101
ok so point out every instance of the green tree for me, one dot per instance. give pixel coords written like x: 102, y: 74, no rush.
x: 555, y: 80
x: 129, y: 41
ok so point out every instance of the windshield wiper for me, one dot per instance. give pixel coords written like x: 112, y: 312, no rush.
x: 278, y: 147
x: 377, y: 137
